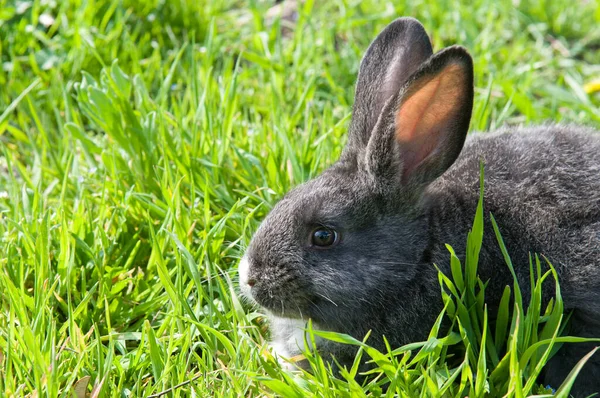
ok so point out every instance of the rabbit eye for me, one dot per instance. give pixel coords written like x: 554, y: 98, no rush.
x: 324, y: 237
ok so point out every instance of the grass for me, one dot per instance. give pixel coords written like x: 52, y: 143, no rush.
x: 143, y: 141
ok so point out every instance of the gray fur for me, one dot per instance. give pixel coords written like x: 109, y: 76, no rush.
x: 542, y: 185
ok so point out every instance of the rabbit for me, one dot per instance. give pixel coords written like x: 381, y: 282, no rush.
x: 353, y: 249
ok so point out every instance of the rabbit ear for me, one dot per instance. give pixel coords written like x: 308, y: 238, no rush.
x: 399, y: 50
x: 421, y: 130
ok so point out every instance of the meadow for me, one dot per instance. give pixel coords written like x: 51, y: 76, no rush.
x: 143, y: 141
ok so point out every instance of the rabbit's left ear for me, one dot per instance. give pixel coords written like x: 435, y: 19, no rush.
x: 421, y: 131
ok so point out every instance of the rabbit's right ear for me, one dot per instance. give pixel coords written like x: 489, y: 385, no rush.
x: 422, y: 129
x: 399, y: 51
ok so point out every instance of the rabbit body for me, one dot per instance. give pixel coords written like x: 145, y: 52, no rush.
x: 354, y: 248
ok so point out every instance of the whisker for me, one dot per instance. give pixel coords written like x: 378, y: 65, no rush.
x: 317, y: 308
x: 328, y: 299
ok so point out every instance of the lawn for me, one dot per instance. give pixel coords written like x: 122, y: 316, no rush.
x: 143, y: 141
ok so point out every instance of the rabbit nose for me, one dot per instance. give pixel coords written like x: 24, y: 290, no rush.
x: 246, y: 279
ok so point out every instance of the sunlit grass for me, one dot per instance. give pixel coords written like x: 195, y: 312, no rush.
x: 143, y: 141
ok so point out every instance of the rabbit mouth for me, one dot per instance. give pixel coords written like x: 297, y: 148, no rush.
x: 282, y: 305
x: 280, y: 293
x: 282, y: 309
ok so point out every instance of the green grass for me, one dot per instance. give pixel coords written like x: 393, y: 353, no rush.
x: 143, y: 141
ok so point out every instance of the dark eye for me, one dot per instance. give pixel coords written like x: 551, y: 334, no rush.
x: 324, y: 237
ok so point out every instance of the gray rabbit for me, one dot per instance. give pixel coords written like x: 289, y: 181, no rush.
x: 353, y: 248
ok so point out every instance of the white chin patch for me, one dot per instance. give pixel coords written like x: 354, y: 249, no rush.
x: 243, y: 270
x: 289, y: 337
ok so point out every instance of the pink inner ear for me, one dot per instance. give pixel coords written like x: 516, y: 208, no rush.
x: 425, y: 115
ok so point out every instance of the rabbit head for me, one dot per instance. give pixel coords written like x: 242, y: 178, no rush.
x: 354, y: 240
